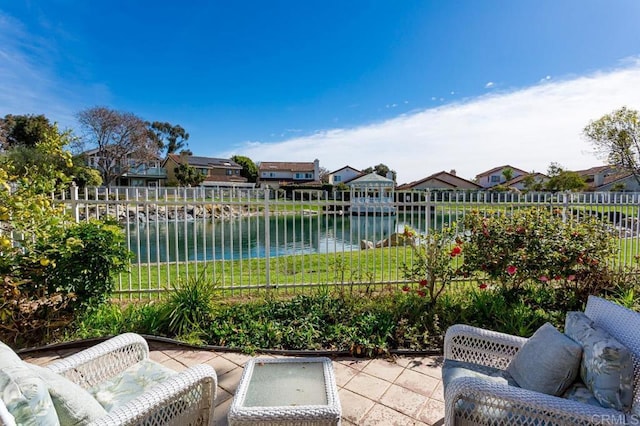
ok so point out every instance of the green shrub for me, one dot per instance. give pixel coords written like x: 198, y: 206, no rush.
x: 83, y: 260
x: 189, y: 306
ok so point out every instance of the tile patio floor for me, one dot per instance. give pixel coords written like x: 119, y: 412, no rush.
x: 405, y: 391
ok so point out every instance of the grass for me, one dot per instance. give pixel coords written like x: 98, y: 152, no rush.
x: 363, y: 267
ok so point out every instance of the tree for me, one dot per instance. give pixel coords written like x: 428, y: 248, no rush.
x: 23, y: 130
x: 380, y: 169
x: 507, y: 173
x: 616, y: 136
x: 249, y: 168
x: 324, y: 175
x: 188, y: 175
x: 531, y: 183
x: 122, y: 139
x: 563, y: 180
x: 168, y: 137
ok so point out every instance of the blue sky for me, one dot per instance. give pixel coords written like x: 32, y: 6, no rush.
x: 421, y: 86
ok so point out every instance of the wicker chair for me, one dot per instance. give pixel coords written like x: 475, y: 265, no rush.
x: 185, y: 398
x: 473, y: 400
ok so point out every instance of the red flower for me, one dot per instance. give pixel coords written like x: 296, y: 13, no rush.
x: 423, y: 283
x: 571, y: 277
x: 511, y: 269
x: 456, y: 251
x: 421, y: 293
x: 405, y: 288
x: 482, y: 286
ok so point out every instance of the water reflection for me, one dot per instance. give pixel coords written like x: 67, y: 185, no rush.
x: 247, y: 237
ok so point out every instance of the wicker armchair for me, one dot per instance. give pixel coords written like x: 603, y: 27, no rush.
x: 475, y: 401
x: 185, y: 398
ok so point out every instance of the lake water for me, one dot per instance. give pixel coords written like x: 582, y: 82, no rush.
x: 245, y: 238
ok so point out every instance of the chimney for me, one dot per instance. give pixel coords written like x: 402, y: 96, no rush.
x: 316, y: 169
x: 452, y: 172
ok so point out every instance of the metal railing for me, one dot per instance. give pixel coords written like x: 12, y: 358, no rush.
x: 248, y: 240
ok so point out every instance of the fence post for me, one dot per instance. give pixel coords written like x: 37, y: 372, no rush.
x: 565, y: 205
x: 73, y: 190
x: 428, y: 213
x: 267, y: 239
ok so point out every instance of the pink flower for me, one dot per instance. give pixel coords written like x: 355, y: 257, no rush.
x: 571, y: 277
x: 423, y: 283
x: 544, y: 278
x: 482, y: 286
x: 511, y: 269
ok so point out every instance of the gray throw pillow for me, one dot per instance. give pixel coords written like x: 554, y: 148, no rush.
x: 547, y: 363
x: 607, y: 365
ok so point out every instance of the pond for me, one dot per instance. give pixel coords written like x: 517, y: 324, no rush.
x: 245, y: 238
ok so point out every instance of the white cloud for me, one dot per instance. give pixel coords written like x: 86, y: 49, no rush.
x: 527, y: 128
x: 29, y: 81
x: 489, y: 85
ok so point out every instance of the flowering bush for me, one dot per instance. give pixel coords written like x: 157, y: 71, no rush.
x: 432, y: 266
x: 50, y: 267
x: 535, y: 245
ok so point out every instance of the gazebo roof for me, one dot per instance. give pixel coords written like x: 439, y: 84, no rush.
x: 372, y: 179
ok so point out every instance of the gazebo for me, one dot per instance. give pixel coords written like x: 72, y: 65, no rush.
x: 372, y: 194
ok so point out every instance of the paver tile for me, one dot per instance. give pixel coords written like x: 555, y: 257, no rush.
x: 383, y: 369
x: 221, y: 365
x: 381, y: 415
x: 221, y: 396
x: 438, y: 393
x: 417, y: 382
x: 174, y: 364
x: 354, y: 406
x: 356, y: 363
x: 235, y: 357
x: 404, y: 400
x: 429, y: 365
x: 220, y: 413
x: 229, y: 381
x: 432, y: 412
x: 343, y: 373
x: 40, y: 360
x: 197, y: 357
x: 368, y: 386
x: 158, y: 356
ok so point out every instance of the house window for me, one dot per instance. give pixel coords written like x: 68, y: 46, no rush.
x: 495, y: 179
x: 337, y: 178
x: 229, y: 172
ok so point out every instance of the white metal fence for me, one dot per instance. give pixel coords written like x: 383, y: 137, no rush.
x: 251, y: 239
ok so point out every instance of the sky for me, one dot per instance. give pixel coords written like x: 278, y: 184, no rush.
x: 419, y: 85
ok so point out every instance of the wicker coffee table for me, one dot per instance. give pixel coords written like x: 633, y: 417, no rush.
x: 286, y: 391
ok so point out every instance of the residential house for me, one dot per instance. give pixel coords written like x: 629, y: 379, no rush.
x: 276, y: 174
x: 134, y: 172
x: 496, y: 176
x: 440, y: 180
x: 624, y: 181
x: 520, y: 182
x: 595, y: 177
x: 218, y: 172
x: 343, y: 175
